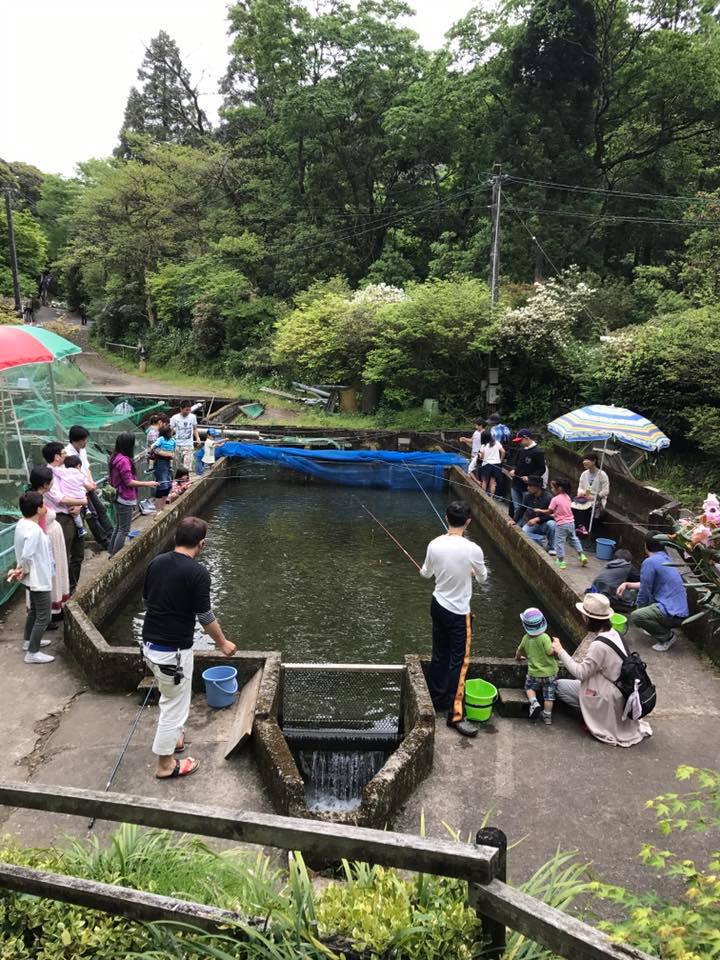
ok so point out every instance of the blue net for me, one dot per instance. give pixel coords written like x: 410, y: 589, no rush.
x: 352, y: 468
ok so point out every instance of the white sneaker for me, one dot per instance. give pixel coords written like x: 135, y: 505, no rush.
x: 43, y: 643
x: 664, y: 647
x: 38, y: 658
x: 552, y: 553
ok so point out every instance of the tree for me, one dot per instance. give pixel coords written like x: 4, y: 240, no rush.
x: 58, y: 198
x: 167, y: 107
x: 308, y: 97
x: 31, y: 245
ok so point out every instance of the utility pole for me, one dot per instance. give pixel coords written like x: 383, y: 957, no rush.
x: 13, y: 251
x: 495, y: 241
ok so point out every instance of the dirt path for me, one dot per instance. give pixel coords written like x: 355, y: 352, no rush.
x: 100, y: 372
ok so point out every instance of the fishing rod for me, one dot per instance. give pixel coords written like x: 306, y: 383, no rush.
x: 425, y: 494
x: 119, y: 760
x: 383, y: 527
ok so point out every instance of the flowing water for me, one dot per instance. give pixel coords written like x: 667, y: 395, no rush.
x: 334, y: 779
x: 302, y: 569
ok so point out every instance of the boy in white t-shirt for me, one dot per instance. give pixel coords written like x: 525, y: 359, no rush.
x: 475, y: 443
x: 186, y: 434
x: 34, y: 570
x: 453, y: 561
x: 210, y: 446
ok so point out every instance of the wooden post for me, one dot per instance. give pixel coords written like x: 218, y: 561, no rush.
x: 493, y: 931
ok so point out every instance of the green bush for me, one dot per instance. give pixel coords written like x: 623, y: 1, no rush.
x: 434, y: 343
x: 667, y: 368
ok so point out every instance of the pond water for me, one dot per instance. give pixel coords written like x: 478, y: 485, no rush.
x: 302, y: 569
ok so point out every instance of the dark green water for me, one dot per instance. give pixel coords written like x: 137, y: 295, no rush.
x: 301, y: 568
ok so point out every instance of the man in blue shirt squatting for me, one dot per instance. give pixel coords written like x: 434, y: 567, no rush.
x: 662, y: 600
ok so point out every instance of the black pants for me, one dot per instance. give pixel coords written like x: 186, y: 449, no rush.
x: 75, y: 547
x: 98, y: 521
x: 451, y: 637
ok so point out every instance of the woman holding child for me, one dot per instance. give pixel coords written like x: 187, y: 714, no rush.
x: 593, y: 691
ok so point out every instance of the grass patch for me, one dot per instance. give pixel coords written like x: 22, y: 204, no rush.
x: 247, y: 388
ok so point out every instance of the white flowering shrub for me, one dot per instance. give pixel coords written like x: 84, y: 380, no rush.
x: 552, y: 321
x: 378, y: 294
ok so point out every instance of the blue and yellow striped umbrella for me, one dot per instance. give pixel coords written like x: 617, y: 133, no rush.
x: 598, y: 422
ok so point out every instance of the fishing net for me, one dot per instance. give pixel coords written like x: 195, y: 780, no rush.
x: 354, y: 468
x: 38, y: 403
x: 341, y: 699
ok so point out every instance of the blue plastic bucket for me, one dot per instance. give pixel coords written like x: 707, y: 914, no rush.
x: 221, y: 686
x: 605, y: 549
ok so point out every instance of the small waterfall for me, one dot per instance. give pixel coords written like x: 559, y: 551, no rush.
x: 334, y: 779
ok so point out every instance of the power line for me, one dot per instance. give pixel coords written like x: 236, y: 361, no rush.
x: 612, y: 193
x: 610, y: 217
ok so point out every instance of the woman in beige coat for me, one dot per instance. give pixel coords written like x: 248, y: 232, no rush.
x: 593, y: 690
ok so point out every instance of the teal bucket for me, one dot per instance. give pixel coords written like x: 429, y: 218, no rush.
x: 605, y: 549
x: 480, y: 697
x: 221, y: 686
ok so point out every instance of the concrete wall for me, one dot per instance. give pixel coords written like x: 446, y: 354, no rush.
x: 406, y: 767
x: 113, y: 668
x: 627, y: 496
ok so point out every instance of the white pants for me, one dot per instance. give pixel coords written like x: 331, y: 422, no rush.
x: 569, y: 692
x: 185, y: 456
x: 174, y: 698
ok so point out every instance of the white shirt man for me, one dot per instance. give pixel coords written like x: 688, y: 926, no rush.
x: 453, y: 561
x: 186, y: 434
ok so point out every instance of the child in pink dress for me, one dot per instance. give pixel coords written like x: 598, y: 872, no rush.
x: 561, y: 509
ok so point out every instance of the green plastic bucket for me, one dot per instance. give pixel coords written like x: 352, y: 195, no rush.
x: 480, y: 697
x: 619, y: 623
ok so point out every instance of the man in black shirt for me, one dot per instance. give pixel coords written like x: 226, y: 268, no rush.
x: 530, y: 462
x: 536, y: 525
x: 176, y: 592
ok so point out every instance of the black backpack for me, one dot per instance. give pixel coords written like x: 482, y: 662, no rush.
x: 633, y: 669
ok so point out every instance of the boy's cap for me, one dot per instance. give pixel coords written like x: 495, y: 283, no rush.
x: 212, y: 432
x: 534, y: 481
x: 521, y: 435
x: 534, y: 622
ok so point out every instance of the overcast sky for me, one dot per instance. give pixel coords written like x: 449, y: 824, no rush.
x: 68, y: 66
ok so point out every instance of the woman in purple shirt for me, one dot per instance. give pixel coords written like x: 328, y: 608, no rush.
x: 122, y: 476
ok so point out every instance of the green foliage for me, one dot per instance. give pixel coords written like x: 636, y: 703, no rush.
x: 667, y: 368
x: 684, y: 928
x: 433, y: 343
x: 390, y: 917
x: 31, y: 245
x: 59, y: 197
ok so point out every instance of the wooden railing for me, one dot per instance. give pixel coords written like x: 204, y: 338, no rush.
x: 498, y: 905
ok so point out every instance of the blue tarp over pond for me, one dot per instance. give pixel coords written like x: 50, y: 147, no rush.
x: 353, y: 468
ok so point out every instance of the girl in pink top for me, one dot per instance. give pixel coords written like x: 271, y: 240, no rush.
x: 561, y: 509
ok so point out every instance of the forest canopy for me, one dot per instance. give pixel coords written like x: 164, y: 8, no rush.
x: 335, y: 223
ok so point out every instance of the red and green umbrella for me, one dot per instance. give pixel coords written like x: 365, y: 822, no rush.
x: 23, y: 345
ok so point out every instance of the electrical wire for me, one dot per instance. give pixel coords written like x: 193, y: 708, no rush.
x: 611, y: 193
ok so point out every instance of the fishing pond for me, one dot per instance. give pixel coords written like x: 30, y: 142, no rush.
x: 301, y: 568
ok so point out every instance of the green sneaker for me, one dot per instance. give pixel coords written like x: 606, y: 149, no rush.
x: 560, y: 564
x: 583, y: 560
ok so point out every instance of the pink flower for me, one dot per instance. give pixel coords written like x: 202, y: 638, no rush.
x: 701, y: 534
x: 711, y: 510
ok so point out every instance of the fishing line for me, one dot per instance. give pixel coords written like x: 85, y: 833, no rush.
x: 134, y: 727
x: 425, y: 494
x: 385, y: 529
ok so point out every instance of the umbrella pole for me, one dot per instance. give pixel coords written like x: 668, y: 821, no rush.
x: 53, y: 396
x: 594, y: 506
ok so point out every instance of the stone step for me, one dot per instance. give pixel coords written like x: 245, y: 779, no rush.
x: 512, y: 702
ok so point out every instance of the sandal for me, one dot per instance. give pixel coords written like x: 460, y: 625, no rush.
x: 182, y: 746
x: 183, y: 768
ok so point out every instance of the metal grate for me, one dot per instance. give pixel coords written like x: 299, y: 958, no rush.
x: 342, y: 697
